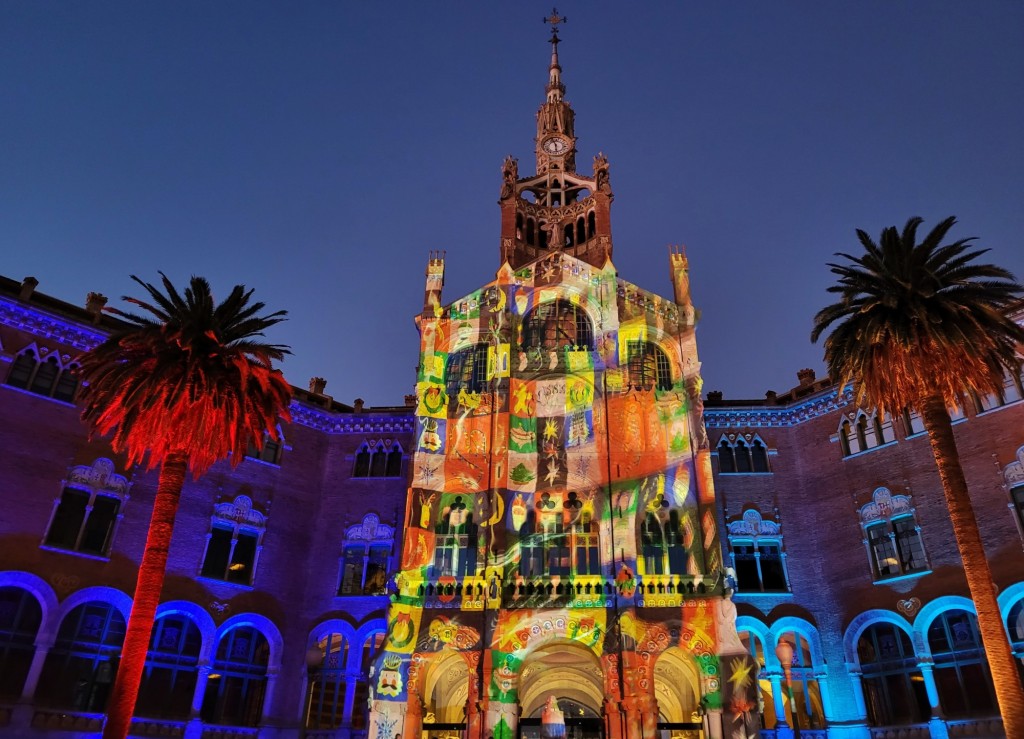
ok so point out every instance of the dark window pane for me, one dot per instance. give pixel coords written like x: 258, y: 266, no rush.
x: 726, y: 458
x: 379, y: 462
x: 66, y: 386
x: 395, y: 462
x: 217, y: 553
x: 352, y: 571
x: 21, y: 371
x: 242, y: 560
x: 99, y: 525
x: 46, y: 376
x: 773, y: 576
x: 362, y: 468
x: 760, y: 456
x: 67, y: 521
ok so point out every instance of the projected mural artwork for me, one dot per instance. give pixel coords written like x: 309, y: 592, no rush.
x: 560, y: 539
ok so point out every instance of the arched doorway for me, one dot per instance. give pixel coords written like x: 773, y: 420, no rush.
x: 445, y: 692
x: 677, y: 689
x: 571, y: 674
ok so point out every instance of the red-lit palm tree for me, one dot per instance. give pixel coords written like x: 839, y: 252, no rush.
x: 923, y: 326
x: 187, y: 384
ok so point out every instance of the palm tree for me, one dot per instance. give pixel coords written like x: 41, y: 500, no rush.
x: 923, y: 326
x: 188, y: 384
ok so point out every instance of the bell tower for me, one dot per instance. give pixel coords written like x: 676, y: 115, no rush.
x: 557, y: 209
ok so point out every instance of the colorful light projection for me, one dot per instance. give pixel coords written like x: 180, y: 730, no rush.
x: 553, y: 472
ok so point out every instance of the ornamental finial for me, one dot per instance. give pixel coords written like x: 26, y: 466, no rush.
x: 554, y: 19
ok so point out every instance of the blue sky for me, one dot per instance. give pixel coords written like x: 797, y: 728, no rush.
x: 317, y: 151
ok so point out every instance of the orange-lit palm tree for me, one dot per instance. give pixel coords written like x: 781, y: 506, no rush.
x: 188, y: 383
x: 923, y: 326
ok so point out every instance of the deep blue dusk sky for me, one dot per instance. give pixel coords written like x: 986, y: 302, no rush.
x: 316, y: 151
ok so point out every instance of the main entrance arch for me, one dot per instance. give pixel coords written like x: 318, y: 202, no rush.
x: 572, y: 674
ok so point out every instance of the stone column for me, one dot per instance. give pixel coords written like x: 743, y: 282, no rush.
x: 613, y: 719
x: 501, y: 720
x: 21, y: 716
x: 194, y: 727
x: 778, y: 699
x: 936, y: 722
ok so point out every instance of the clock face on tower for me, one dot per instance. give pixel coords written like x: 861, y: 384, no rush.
x: 554, y: 145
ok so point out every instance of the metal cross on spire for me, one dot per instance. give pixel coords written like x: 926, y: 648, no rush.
x: 554, y: 19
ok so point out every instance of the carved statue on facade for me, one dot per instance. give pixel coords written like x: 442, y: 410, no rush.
x: 509, y: 175
x: 601, y: 173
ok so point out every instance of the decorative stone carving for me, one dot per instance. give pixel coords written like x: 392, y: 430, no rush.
x: 884, y: 505
x: 752, y: 524
x: 99, y: 478
x: 240, y: 512
x: 371, y: 529
x: 1013, y: 473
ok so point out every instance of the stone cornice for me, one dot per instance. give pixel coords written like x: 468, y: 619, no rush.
x: 777, y: 416
x: 43, y: 324
x: 335, y: 423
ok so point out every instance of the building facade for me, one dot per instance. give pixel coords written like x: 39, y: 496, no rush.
x: 546, y: 533
x: 562, y: 555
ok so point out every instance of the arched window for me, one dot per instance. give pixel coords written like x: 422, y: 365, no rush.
x: 371, y: 647
x: 864, y: 432
x: 591, y: 225
x: 234, y: 543
x: 79, y: 669
x: 557, y: 325
x: 663, y: 542
x: 542, y: 234
x: 378, y: 458
x: 755, y: 646
x: 726, y: 458
x: 238, y: 679
x: 85, y: 516
x: 757, y: 554
x: 1015, y: 627
x: 531, y: 232
x: 894, y: 688
x: 22, y: 369
x: 366, y: 557
x: 742, y: 454
x: 456, y: 541
x: 467, y: 370
x: 559, y: 538
x: 47, y: 378
x: 648, y: 367
x: 892, y: 536
x: 569, y: 234
x: 519, y: 226
x: 269, y: 452
x: 805, y: 710
x: 20, y: 616
x: 743, y: 463
x: 169, y: 677
x: 581, y: 230
x: 961, y: 670
x: 325, y: 699
x: 759, y: 455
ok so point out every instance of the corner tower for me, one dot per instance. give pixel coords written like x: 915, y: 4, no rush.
x: 561, y: 562
x: 556, y: 208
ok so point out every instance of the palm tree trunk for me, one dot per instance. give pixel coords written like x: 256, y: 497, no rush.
x: 148, y: 587
x: 979, y: 576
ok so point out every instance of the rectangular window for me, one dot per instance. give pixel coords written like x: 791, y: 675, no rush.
x: 243, y: 558
x: 1017, y: 494
x: 908, y: 540
x: 351, y: 571
x: 377, y: 571
x: 100, y: 525
x: 67, y: 521
x: 773, y: 573
x: 746, y: 567
x: 882, y: 551
x: 217, y: 552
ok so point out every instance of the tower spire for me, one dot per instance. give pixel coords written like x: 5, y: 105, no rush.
x: 556, y: 90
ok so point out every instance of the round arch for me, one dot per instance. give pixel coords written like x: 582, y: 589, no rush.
x: 44, y: 594
x: 930, y: 611
x: 266, y: 627
x: 1007, y: 599
x: 563, y: 668
x: 860, y: 623
x: 677, y: 685
x: 797, y: 625
x: 112, y: 596
x: 202, y: 620
x: 446, y: 688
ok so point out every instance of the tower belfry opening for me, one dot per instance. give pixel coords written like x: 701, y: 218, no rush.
x: 562, y: 572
